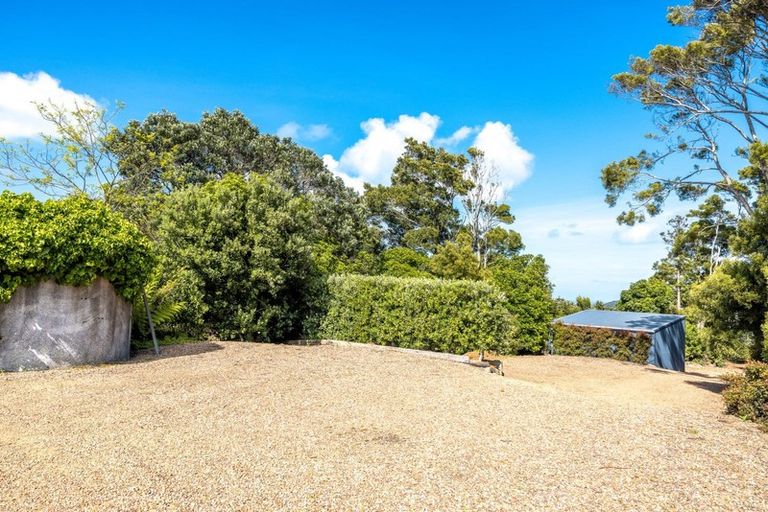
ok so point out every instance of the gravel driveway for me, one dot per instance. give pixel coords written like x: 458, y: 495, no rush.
x: 270, y: 427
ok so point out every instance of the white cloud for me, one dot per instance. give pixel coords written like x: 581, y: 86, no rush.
x: 587, y: 251
x: 310, y: 133
x: 640, y: 233
x: 456, y: 137
x: 372, y: 158
x: 317, y: 132
x: 333, y: 165
x: 498, y: 142
x: 289, y: 130
x: 19, y: 117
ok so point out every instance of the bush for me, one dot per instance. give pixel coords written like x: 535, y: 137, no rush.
x: 571, y: 340
x: 704, y: 345
x: 524, y: 281
x: 424, y: 314
x: 244, y: 248
x: 71, y: 241
x: 747, y: 394
x: 176, y: 302
x: 648, y: 296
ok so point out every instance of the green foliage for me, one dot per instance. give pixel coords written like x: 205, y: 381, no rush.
x: 747, y: 394
x: 405, y: 262
x: 248, y: 243
x: 647, y: 296
x: 417, y: 209
x: 500, y: 243
x: 175, y: 301
x: 696, y: 245
x: 705, y: 96
x: 583, y: 303
x: 456, y: 260
x: 162, y: 154
x: 71, y: 241
x: 425, y: 314
x: 705, y: 345
x: 524, y: 281
x: 563, y: 307
x: 732, y: 303
x: 71, y: 159
x: 484, y: 216
x: 570, y: 340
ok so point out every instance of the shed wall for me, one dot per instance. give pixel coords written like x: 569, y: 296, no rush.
x: 668, y: 348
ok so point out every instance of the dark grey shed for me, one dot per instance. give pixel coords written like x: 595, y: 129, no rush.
x: 667, y: 332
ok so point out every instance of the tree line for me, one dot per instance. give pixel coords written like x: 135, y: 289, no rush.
x: 709, y: 99
x: 247, y: 226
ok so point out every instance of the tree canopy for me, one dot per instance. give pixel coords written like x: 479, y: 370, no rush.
x: 247, y: 226
x: 647, y: 296
x: 709, y: 101
x: 417, y: 209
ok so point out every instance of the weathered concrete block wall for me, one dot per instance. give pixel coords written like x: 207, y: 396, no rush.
x: 48, y: 325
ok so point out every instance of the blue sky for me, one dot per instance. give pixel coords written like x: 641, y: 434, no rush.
x: 529, y: 79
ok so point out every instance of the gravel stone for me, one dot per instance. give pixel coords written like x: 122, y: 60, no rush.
x: 241, y: 426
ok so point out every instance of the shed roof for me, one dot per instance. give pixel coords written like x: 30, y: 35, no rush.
x: 620, y: 320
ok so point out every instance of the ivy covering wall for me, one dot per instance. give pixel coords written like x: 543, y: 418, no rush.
x: 71, y: 241
x: 570, y: 340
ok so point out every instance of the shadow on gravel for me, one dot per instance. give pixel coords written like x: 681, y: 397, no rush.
x: 171, y: 351
x: 714, y: 387
x: 672, y: 372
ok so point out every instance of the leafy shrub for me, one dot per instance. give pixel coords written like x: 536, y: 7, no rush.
x: 705, y: 345
x: 425, y: 314
x: 523, y: 279
x: 405, y: 262
x: 71, y: 241
x: 747, y: 394
x: 571, y: 340
x: 176, y: 303
x: 648, y: 296
x: 245, y: 247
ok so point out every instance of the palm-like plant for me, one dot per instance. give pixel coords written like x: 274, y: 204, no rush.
x: 161, y: 305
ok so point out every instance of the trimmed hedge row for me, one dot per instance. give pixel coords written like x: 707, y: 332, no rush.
x: 573, y: 340
x: 425, y: 314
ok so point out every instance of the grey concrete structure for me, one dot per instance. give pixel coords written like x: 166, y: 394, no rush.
x: 46, y: 325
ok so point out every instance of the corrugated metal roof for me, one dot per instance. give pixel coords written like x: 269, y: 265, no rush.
x: 620, y: 320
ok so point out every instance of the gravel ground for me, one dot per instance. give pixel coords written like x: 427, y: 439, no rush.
x: 223, y: 426
x: 698, y: 388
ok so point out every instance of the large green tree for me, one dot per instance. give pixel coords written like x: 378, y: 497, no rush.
x: 457, y: 260
x: 734, y: 299
x: 697, y: 244
x: 417, y: 209
x: 485, y: 217
x: 648, y: 296
x: 708, y: 98
x: 528, y: 291
x: 162, y: 154
x: 731, y: 303
x: 248, y: 243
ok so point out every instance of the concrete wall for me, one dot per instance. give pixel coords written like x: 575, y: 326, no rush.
x: 48, y: 325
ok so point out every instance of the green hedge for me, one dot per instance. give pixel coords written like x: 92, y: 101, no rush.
x: 71, y: 241
x: 747, y: 394
x: 424, y: 314
x: 572, y: 340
